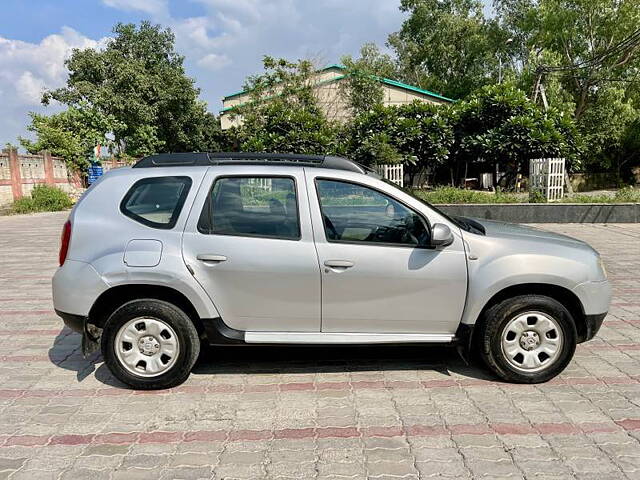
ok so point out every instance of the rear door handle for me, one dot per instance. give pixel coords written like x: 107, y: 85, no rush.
x: 338, y: 264
x: 211, y: 258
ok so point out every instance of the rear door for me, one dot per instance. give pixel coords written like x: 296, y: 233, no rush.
x: 250, y: 244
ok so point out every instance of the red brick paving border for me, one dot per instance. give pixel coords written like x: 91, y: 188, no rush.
x: 163, y: 437
x: 308, y: 386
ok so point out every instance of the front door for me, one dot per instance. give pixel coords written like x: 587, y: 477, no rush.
x: 253, y: 250
x: 375, y: 276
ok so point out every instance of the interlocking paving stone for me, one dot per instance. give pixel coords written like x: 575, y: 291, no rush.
x: 379, y: 412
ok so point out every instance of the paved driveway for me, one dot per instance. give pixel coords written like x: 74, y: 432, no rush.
x: 314, y: 412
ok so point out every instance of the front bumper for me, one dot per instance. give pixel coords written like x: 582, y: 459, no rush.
x: 595, y: 297
x: 592, y: 325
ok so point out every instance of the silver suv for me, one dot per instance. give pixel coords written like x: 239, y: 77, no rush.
x: 239, y: 248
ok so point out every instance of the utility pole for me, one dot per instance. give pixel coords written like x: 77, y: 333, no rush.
x: 507, y: 42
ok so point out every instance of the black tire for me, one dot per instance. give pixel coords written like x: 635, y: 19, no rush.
x: 168, y: 313
x: 496, y: 318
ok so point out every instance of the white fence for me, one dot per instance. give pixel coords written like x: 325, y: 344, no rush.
x: 393, y: 173
x: 547, y: 176
x: 263, y: 183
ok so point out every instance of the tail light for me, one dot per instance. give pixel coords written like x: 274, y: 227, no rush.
x: 64, y: 241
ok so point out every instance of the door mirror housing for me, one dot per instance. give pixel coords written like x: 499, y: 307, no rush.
x: 441, y: 236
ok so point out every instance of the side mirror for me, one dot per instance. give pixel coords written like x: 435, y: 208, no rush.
x: 441, y: 235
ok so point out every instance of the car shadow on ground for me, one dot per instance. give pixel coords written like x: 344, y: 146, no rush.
x: 66, y: 352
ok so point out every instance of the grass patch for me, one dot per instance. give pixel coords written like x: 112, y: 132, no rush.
x: 624, y: 195
x: 442, y: 195
x: 458, y: 195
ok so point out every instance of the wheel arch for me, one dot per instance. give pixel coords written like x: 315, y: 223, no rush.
x: 117, y: 296
x: 561, y: 294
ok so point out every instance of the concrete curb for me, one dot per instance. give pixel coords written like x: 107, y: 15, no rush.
x: 548, y: 212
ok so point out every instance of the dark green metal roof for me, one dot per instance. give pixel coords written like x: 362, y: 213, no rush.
x: 386, y: 81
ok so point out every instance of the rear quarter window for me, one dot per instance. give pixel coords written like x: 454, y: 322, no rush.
x: 156, y: 202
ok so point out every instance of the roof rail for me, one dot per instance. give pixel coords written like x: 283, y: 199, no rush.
x: 247, y: 158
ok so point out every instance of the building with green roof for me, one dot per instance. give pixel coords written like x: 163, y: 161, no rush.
x: 331, y: 96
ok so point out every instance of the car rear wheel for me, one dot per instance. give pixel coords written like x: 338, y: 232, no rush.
x: 527, y: 339
x: 150, y: 344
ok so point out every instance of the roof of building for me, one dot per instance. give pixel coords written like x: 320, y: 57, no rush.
x: 386, y: 81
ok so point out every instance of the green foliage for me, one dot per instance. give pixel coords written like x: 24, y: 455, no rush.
x: 627, y: 194
x: 44, y: 198
x: 536, y: 196
x: 448, y: 46
x: 424, y: 135
x: 624, y: 195
x: 444, y: 195
x: 24, y: 205
x: 70, y: 134
x: 598, y: 85
x: 370, y: 136
x: 138, y: 82
x: 362, y: 87
x: 452, y: 195
x: 500, y: 123
x: 283, y: 114
x: 418, y: 134
x: 604, y: 125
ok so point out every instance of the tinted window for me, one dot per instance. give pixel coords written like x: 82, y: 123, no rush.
x: 355, y: 213
x: 156, y: 202
x: 252, y: 206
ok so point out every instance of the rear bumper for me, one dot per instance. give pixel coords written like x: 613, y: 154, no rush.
x: 76, y: 286
x: 78, y: 323
x: 74, y: 322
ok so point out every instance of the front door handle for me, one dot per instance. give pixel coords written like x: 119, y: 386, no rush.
x: 211, y: 258
x: 338, y: 264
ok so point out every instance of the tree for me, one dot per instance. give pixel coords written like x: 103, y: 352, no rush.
x: 138, y: 79
x: 500, y: 124
x: 417, y: 134
x: 283, y: 114
x: 589, y: 51
x: 424, y: 136
x: 370, y: 137
x: 361, y: 85
x: 71, y: 134
x: 448, y: 46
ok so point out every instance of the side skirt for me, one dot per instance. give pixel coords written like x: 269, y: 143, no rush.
x: 219, y: 333
x: 332, y: 338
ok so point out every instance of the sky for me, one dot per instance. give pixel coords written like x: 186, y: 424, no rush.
x: 223, y: 41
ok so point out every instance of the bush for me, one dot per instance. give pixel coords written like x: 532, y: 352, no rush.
x: 627, y: 195
x: 50, y: 199
x: 457, y: 195
x: 536, y: 196
x: 624, y: 195
x: 43, y: 199
x: 24, y: 205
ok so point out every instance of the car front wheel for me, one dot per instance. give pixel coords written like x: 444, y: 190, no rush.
x: 150, y: 344
x: 527, y: 339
